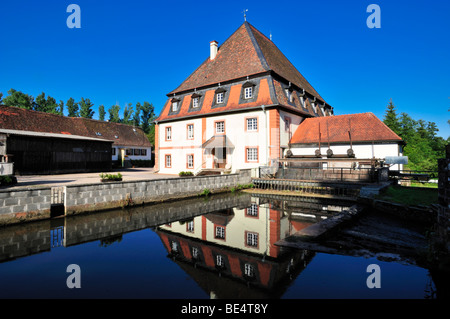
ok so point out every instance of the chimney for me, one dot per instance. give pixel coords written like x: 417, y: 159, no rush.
x: 213, y: 49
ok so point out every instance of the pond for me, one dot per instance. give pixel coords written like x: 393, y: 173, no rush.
x: 223, y: 246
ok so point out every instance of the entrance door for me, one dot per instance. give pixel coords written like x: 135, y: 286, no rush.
x: 220, y: 157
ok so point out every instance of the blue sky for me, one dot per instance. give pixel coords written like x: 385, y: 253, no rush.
x: 135, y: 51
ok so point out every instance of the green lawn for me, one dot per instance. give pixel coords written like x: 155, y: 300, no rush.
x: 410, y: 195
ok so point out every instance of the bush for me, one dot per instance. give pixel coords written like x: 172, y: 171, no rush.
x: 181, y: 174
x: 142, y: 163
x: 111, y: 177
x: 7, y: 180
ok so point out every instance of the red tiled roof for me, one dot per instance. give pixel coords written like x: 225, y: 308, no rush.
x: 14, y: 118
x: 246, y: 52
x: 364, y: 127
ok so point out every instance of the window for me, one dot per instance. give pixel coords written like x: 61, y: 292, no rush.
x: 113, y: 151
x: 168, y: 133
x: 174, y: 106
x: 190, y: 131
x: 252, y: 154
x: 174, y: 246
x: 252, y: 239
x: 252, y: 210
x: 289, y: 95
x: 168, y: 160
x: 190, y: 226
x: 219, y: 97
x: 252, y: 124
x: 219, y: 261
x: 220, y: 127
x: 313, y: 104
x: 195, y: 102
x: 220, y: 232
x: 190, y: 161
x: 249, y: 270
x: 137, y: 152
x: 129, y: 151
x: 143, y: 152
x: 248, y: 92
x: 195, y: 253
x: 287, y: 124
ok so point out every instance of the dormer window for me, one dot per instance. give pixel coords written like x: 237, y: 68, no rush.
x: 289, y: 95
x: 248, y: 92
x: 219, y: 97
x: 195, y: 102
x: 98, y: 134
x: 175, y: 104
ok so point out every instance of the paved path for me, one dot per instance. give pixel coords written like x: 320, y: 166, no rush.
x: 131, y: 174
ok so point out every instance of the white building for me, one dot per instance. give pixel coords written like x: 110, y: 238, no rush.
x: 238, y: 110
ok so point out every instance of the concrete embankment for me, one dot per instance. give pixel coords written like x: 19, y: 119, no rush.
x: 35, y: 203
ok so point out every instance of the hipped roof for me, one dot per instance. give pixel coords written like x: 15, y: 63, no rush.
x: 246, y: 52
x: 363, y: 127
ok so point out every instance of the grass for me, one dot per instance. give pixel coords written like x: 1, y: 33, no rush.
x: 410, y: 195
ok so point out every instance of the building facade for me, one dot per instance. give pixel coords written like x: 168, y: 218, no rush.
x: 238, y: 110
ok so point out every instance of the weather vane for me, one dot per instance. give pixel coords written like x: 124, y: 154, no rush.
x: 245, y: 15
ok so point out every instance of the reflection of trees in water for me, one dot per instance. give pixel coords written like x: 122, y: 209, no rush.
x: 105, y: 242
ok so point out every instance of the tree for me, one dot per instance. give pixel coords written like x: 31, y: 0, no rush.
x: 61, y: 108
x: 19, y: 99
x: 114, y: 113
x: 127, y: 112
x: 101, y: 112
x: 45, y: 104
x: 86, y: 108
x: 147, y: 115
x: 137, y: 113
x: 390, y: 118
x: 72, y: 108
x: 1, y: 95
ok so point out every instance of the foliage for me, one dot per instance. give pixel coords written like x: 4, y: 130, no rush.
x: 127, y: 113
x: 423, y: 146
x: 114, y: 113
x: 7, y: 180
x: 147, y: 116
x: 239, y: 187
x: 19, y: 99
x: 111, y: 177
x: 45, y: 104
x: 86, y: 108
x: 142, y: 163
x: 206, y: 192
x: 101, y: 112
x: 409, y: 195
x: 72, y: 108
x: 185, y: 174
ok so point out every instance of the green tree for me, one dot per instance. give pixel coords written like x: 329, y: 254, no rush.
x: 61, y: 107
x: 390, y: 118
x: 86, y: 108
x: 101, y: 112
x: 137, y: 113
x: 45, y: 104
x: 19, y: 99
x: 72, y: 108
x: 127, y: 113
x: 1, y: 96
x: 114, y: 114
x: 147, y: 116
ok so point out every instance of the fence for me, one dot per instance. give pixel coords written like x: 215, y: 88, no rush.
x: 331, y: 174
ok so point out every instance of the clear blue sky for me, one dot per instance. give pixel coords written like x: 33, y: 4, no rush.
x: 135, y: 51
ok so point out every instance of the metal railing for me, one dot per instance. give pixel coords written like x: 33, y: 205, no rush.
x: 328, y: 174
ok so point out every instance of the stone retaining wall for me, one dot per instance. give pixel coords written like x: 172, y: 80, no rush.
x: 24, y: 204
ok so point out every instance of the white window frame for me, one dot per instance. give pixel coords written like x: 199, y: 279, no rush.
x: 195, y: 101
x: 252, y: 154
x: 252, y: 124
x: 220, y: 97
x: 220, y: 261
x: 252, y: 239
x: 190, y: 131
x: 220, y: 232
x: 249, y: 270
x: 190, y: 161
x: 169, y: 133
x: 222, y: 127
x: 253, y: 210
x: 174, y: 106
x: 190, y: 226
x: 248, y: 92
x: 168, y: 160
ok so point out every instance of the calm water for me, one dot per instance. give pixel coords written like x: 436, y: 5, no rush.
x: 223, y: 247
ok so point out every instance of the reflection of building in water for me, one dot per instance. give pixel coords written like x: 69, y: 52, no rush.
x: 232, y: 253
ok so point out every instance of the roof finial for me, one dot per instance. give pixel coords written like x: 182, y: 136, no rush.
x: 245, y: 15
